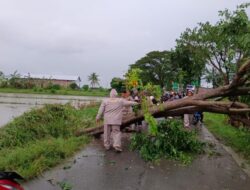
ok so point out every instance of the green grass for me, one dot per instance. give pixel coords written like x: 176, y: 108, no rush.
x: 32, y: 159
x: 238, y: 139
x: 40, y: 139
x: 95, y: 92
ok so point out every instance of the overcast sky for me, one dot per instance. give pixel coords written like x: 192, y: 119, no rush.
x: 78, y: 37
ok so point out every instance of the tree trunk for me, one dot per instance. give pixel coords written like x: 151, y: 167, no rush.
x: 198, y: 102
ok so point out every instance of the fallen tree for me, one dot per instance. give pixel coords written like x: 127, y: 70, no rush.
x: 198, y: 102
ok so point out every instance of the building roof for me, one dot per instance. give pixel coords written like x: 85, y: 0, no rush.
x: 51, y: 77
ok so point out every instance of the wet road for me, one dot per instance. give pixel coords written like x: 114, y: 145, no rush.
x: 95, y: 169
x: 13, y: 105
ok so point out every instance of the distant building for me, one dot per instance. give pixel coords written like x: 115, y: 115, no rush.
x: 43, y: 80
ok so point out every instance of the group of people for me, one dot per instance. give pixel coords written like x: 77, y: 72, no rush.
x: 170, y: 96
x: 114, y: 109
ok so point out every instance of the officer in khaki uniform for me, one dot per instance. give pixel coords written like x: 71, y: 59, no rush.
x: 112, y: 111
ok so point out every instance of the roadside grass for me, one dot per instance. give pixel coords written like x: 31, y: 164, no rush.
x: 42, y: 138
x: 32, y: 159
x: 94, y: 92
x: 237, y: 138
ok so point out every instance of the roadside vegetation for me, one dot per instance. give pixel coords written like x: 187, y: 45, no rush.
x: 15, y: 83
x: 170, y: 142
x: 237, y: 138
x: 42, y: 138
x: 77, y: 92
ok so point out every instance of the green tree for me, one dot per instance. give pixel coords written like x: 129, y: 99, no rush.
x: 154, y: 90
x: 94, y: 80
x: 219, y: 48
x: 118, y: 84
x: 15, y: 80
x: 156, y: 68
x: 188, y: 70
x: 133, y: 78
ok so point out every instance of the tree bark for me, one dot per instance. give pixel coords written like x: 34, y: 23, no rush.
x: 198, y: 102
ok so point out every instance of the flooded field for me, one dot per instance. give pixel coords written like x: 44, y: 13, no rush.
x: 13, y: 105
x: 9, y: 111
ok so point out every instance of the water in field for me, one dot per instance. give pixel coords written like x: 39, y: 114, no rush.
x: 9, y: 111
x: 13, y: 105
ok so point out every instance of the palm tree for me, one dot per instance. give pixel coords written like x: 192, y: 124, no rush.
x: 94, y: 80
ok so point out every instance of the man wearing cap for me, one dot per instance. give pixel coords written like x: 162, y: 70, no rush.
x: 112, y: 111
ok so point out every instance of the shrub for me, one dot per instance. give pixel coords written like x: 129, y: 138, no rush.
x: 85, y: 87
x: 56, y: 87
x: 53, y: 86
x: 171, y: 141
x: 49, y: 121
x: 15, y: 84
x: 73, y: 86
x: 43, y: 137
x: 3, y: 84
x: 37, y: 89
x: 101, y: 89
x: 27, y: 84
x: 53, y: 91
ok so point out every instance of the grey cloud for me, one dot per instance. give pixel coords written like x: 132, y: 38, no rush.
x: 83, y: 36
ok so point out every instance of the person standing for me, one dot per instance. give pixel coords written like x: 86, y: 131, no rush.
x: 127, y: 110
x: 188, y: 118
x: 112, y: 111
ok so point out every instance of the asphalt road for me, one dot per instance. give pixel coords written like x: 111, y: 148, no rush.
x: 95, y: 169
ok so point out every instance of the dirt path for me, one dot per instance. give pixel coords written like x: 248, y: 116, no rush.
x: 95, y: 169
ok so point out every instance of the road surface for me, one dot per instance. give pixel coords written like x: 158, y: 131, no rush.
x: 95, y: 169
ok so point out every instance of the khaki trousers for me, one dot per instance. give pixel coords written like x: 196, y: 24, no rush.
x: 188, y: 120
x: 112, y: 131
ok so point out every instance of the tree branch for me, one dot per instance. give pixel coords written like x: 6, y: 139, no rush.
x: 198, y: 102
x: 243, y: 70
